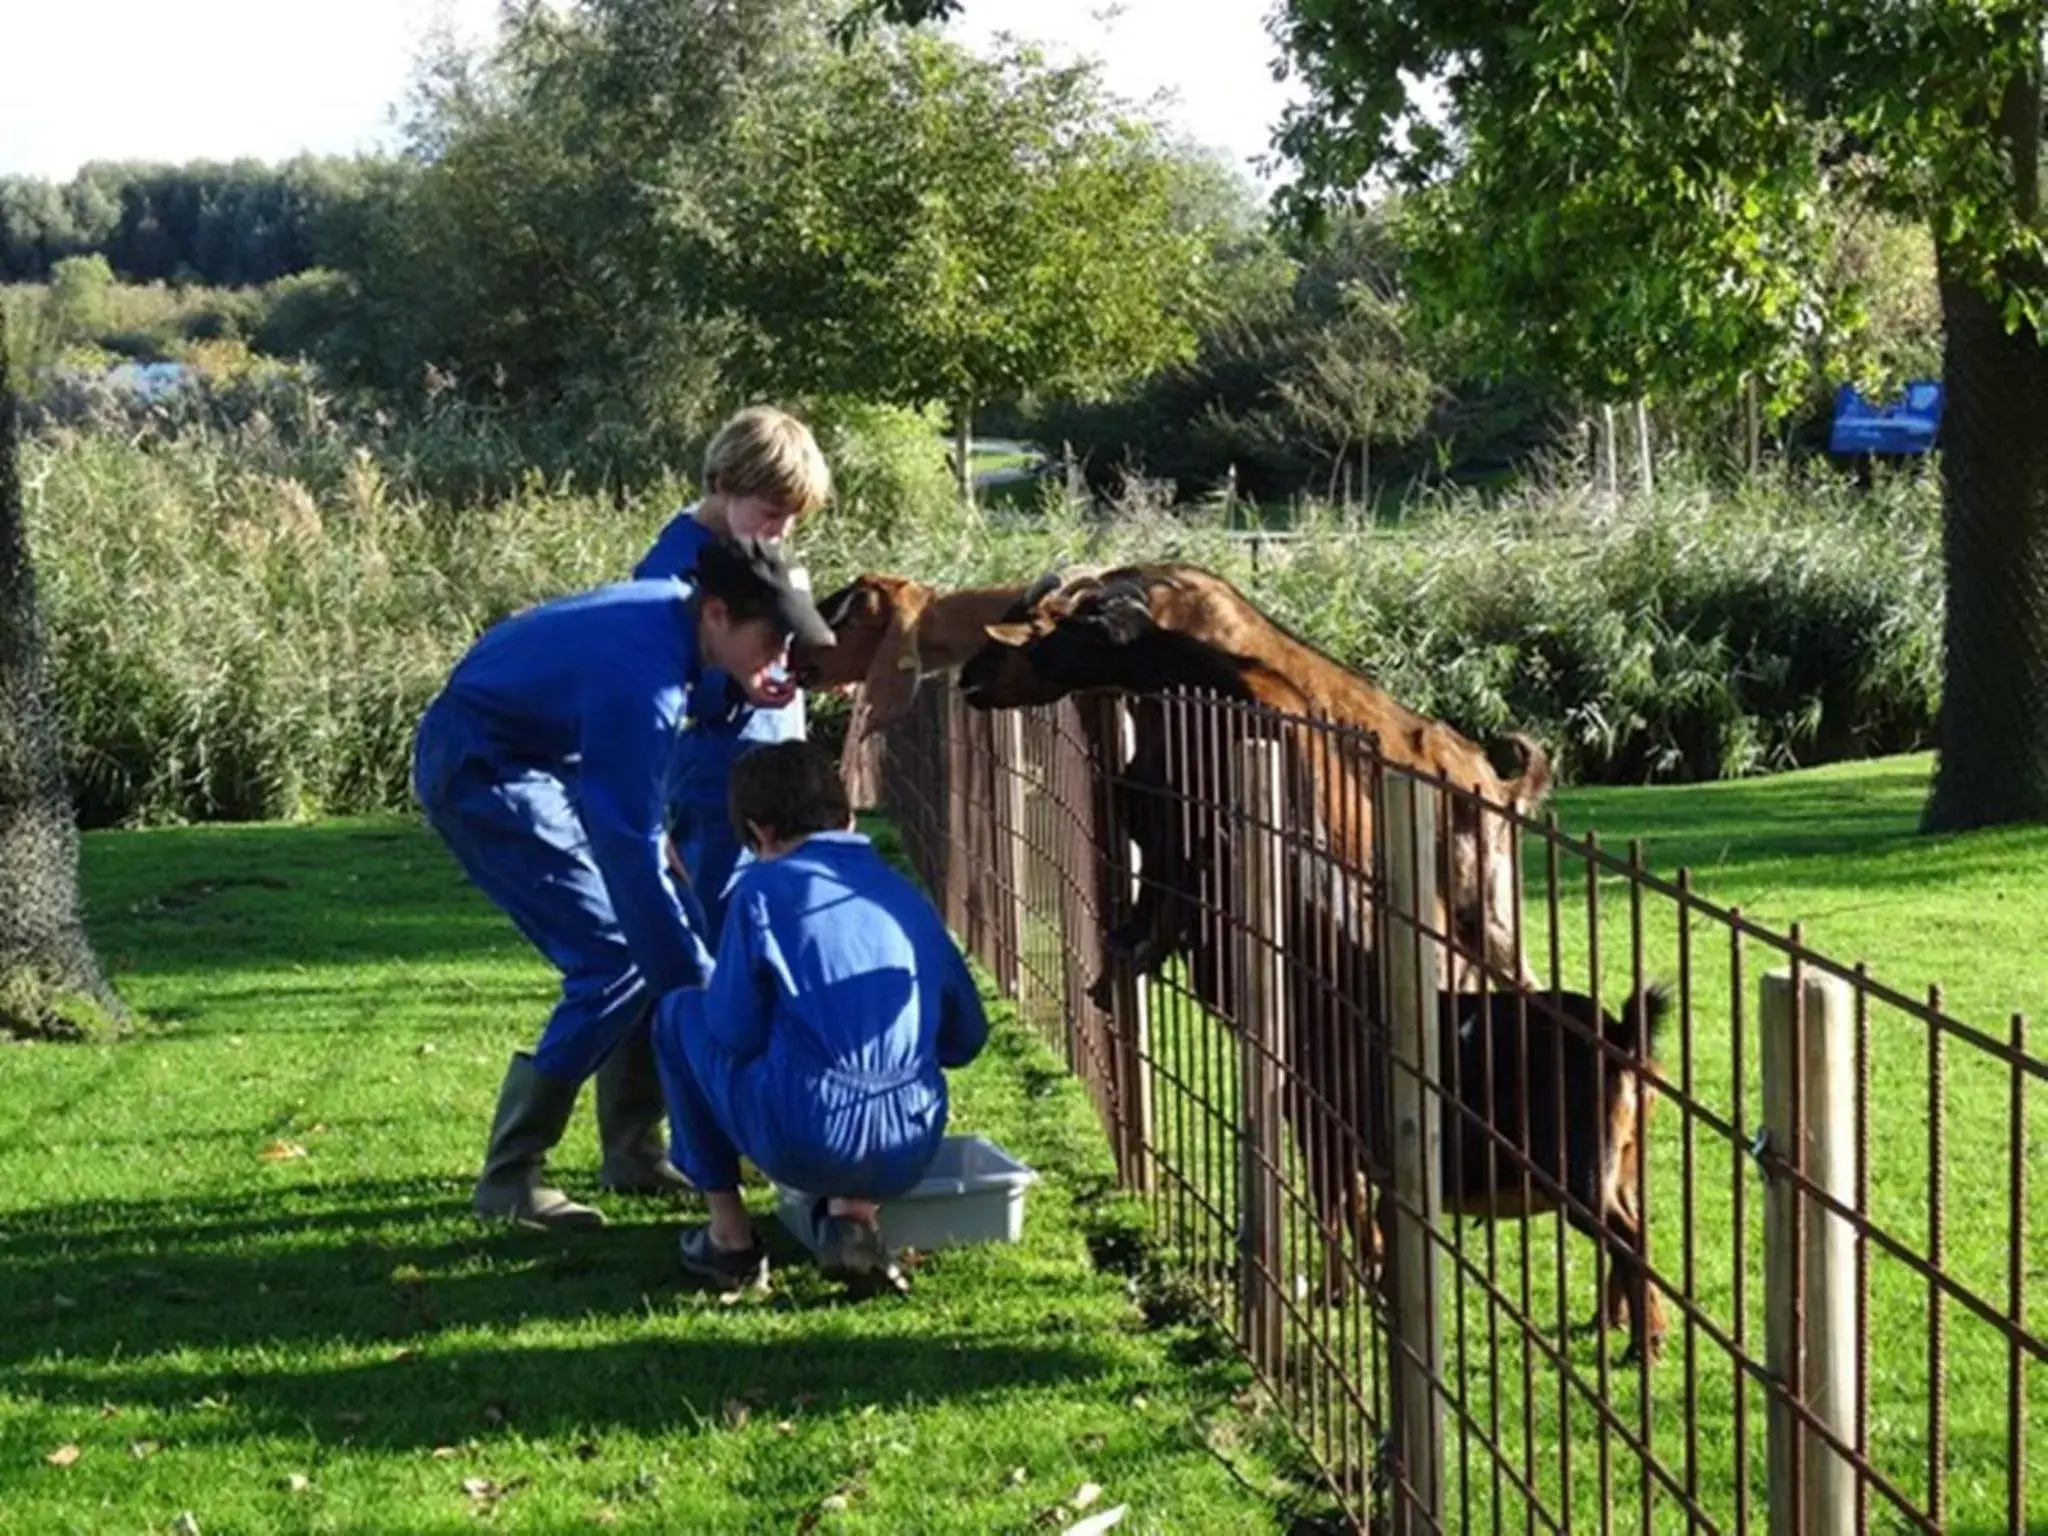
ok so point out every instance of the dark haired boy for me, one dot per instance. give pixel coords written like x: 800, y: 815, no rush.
x: 541, y: 765
x: 818, y: 1050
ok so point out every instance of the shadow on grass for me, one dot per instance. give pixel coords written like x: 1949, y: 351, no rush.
x: 106, y: 1301
x: 651, y: 1385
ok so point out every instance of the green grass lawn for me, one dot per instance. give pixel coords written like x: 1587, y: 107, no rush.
x: 1837, y: 850
x: 238, y: 1274
x: 329, y: 1342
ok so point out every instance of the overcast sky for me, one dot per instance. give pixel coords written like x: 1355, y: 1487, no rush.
x: 175, y: 80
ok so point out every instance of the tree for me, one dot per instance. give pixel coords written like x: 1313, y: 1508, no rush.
x: 917, y: 224
x: 1636, y: 197
x: 49, y: 977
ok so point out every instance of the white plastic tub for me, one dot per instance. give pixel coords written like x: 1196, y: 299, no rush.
x: 973, y: 1192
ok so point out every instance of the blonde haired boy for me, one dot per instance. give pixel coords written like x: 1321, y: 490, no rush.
x: 763, y: 470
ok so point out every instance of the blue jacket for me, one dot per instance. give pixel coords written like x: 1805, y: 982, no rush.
x: 593, y: 689
x: 839, y: 992
x: 703, y: 766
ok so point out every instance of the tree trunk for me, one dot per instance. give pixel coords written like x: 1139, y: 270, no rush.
x: 963, y: 447
x: 50, y: 982
x: 1993, y: 731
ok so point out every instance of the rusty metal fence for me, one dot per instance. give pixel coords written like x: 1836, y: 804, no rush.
x: 1382, y: 1060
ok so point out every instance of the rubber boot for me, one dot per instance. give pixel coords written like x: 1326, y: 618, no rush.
x: 532, y: 1112
x: 630, y: 1114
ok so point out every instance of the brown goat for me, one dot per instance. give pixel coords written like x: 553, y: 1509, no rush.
x: 1150, y: 628
x: 1552, y: 1104
x: 892, y: 631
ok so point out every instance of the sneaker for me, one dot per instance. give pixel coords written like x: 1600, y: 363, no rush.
x: 725, y: 1269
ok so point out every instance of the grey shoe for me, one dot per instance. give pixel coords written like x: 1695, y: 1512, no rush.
x: 630, y: 1114
x: 532, y: 1111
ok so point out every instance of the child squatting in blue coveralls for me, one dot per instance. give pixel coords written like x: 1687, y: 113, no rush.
x: 541, y: 765
x: 762, y: 471
x: 819, y: 1049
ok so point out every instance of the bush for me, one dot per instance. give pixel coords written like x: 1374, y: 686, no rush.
x: 243, y: 627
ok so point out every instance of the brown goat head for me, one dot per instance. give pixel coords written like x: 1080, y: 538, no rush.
x: 874, y: 620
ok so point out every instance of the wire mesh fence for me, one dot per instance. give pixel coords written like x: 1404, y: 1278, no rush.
x: 1542, y: 1193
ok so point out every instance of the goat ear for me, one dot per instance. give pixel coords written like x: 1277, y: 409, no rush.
x: 835, y: 608
x: 1009, y: 634
x: 892, y: 676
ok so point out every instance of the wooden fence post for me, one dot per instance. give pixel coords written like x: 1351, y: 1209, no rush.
x: 1012, y: 861
x: 1809, y: 1073
x: 1408, y: 815
x: 1261, y: 1029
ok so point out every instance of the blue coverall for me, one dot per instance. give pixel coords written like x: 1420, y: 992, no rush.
x: 541, y: 766
x: 702, y: 770
x: 817, y: 1049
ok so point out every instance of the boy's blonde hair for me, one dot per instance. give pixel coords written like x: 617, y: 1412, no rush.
x: 768, y: 453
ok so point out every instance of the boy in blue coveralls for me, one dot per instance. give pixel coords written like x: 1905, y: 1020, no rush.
x: 541, y: 765
x: 762, y: 471
x: 818, y: 1050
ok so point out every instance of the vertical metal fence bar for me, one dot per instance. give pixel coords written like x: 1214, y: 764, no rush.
x: 1937, y: 1253
x: 1261, y: 1029
x: 2016, y: 1289
x: 1603, y: 1261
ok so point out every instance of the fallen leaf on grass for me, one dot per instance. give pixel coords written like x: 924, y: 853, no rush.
x: 298, y: 1482
x: 486, y: 1492
x: 736, y: 1414
x: 785, y: 1427
x: 607, y: 1516
x: 427, y: 1047
x: 444, y: 1452
x: 142, y: 1450
x: 62, y: 1302
x: 834, y: 1503
x: 1085, y: 1495
x: 1017, y: 1476
x: 186, y: 1524
x: 64, y: 1456
x: 110, y: 1410
x: 1095, y: 1525
x: 281, y: 1152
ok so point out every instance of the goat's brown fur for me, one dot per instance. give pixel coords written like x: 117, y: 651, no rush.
x: 1290, y: 676
x: 891, y: 631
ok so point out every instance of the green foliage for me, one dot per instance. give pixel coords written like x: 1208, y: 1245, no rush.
x: 918, y: 224
x: 1641, y: 199
x: 233, y: 226
x: 245, y: 625
x: 78, y: 295
x: 889, y: 469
